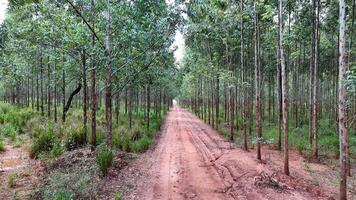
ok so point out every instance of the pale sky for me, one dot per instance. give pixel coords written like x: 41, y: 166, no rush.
x: 179, y: 42
x: 3, y: 6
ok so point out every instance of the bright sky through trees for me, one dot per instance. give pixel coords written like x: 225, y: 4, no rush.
x: 3, y: 6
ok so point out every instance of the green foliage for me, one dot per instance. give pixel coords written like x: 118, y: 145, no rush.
x: 141, y: 145
x: 9, y: 131
x: 136, y: 133
x: 72, y: 183
x: 118, y: 196
x: 2, y: 144
x: 75, y: 138
x: 43, y: 142
x: 11, y: 180
x: 104, y: 158
x: 63, y: 195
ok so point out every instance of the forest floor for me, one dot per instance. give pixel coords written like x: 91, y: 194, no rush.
x: 18, y: 172
x: 189, y: 160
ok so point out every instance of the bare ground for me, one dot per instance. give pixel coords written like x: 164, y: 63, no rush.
x: 15, y: 161
x: 191, y: 161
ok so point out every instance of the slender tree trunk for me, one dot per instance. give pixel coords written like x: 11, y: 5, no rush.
x: 41, y: 79
x: 284, y: 88
x: 148, y: 107
x: 311, y: 76
x: 63, y: 94
x: 49, y: 98
x: 231, y: 107
x: 85, y: 92
x: 108, y: 85
x: 93, y: 83
x: 315, y: 85
x: 342, y: 96
x: 244, y: 100
x: 258, y: 82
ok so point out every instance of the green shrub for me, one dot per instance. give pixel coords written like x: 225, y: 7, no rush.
x: 75, y: 138
x: 122, y: 140
x: 330, y: 144
x: 43, y: 142
x: 2, y: 145
x: 11, y: 180
x: 141, y: 145
x: 104, y: 158
x: 118, y: 196
x: 9, y: 131
x: 78, y: 182
x: 136, y: 133
x: 63, y: 195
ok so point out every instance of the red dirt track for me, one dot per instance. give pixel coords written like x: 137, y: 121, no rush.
x: 191, y: 161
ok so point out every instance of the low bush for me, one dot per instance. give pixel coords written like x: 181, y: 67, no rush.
x: 11, y: 180
x: 118, y: 196
x: 104, y: 158
x: 10, y: 131
x: 136, y: 133
x: 122, y: 139
x: 67, y: 184
x: 63, y: 195
x: 141, y: 145
x: 75, y: 138
x: 42, y: 143
x: 2, y: 144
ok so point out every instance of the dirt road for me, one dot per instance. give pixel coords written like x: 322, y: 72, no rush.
x: 15, y: 161
x: 191, y: 161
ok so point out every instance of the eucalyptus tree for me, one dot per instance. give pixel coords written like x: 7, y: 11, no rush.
x: 342, y: 129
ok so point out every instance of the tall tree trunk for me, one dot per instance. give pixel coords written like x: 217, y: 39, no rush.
x: 94, y: 101
x: 342, y: 128
x: 284, y: 87
x: 231, y: 107
x: 63, y: 94
x: 148, y: 105
x: 108, y: 85
x: 311, y: 76
x: 258, y: 81
x: 315, y: 84
x: 85, y: 92
x: 41, y: 80
x: 49, y: 90
x: 244, y: 95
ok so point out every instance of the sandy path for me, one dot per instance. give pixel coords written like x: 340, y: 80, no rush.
x: 15, y: 161
x: 191, y: 161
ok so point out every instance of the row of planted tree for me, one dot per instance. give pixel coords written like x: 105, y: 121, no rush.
x: 89, y: 54
x: 256, y: 64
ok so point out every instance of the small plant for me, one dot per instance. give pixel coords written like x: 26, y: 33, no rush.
x: 118, y: 196
x: 136, y: 133
x: 11, y: 180
x: 2, y: 145
x: 9, y: 131
x: 44, y: 142
x: 75, y: 138
x: 104, y: 158
x: 142, y: 144
x: 65, y: 195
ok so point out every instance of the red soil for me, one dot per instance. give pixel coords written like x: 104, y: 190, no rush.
x: 191, y: 161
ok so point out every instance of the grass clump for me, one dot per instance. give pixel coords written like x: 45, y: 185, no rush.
x: 118, y: 196
x: 75, y: 138
x: 141, y: 145
x: 10, y: 131
x: 43, y: 142
x: 68, y: 184
x: 104, y: 158
x: 11, y: 180
x: 2, y: 144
